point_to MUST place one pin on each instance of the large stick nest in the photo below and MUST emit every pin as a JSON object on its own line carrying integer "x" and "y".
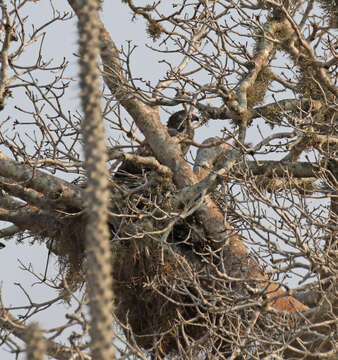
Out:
{"x": 150, "y": 300}
{"x": 169, "y": 298}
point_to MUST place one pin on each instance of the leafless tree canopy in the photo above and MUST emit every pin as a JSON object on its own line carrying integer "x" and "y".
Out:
{"x": 224, "y": 248}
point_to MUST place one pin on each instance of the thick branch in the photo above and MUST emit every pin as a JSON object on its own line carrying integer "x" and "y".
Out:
{"x": 34, "y": 220}
{"x": 287, "y": 105}
{"x": 148, "y": 161}
{"x": 19, "y": 329}
{"x": 56, "y": 190}
{"x": 278, "y": 168}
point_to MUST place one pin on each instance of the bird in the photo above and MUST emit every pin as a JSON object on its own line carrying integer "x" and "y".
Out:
{"x": 178, "y": 125}
{"x": 178, "y": 120}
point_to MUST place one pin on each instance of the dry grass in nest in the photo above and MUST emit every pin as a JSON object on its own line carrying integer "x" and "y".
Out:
{"x": 68, "y": 244}
{"x": 167, "y": 301}
{"x": 157, "y": 289}
{"x": 147, "y": 300}
{"x": 160, "y": 305}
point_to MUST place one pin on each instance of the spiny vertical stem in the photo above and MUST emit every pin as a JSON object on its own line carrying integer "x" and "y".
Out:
{"x": 99, "y": 281}
{"x": 332, "y": 242}
{"x": 36, "y": 344}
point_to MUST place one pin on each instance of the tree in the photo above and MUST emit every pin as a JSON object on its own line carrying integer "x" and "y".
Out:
{"x": 228, "y": 251}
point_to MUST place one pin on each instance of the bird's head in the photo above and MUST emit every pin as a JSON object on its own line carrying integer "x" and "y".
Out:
{"x": 178, "y": 120}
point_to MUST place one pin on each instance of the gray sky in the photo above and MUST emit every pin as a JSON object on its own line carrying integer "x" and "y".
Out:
{"x": 61, "y": 41}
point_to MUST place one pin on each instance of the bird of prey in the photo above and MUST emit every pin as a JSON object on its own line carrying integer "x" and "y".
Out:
{"x": 178, "y": 125}
{"x": 179, "y": 121}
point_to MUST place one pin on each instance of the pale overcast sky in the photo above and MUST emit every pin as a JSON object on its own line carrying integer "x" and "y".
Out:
{"x": 61, "y": 41}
